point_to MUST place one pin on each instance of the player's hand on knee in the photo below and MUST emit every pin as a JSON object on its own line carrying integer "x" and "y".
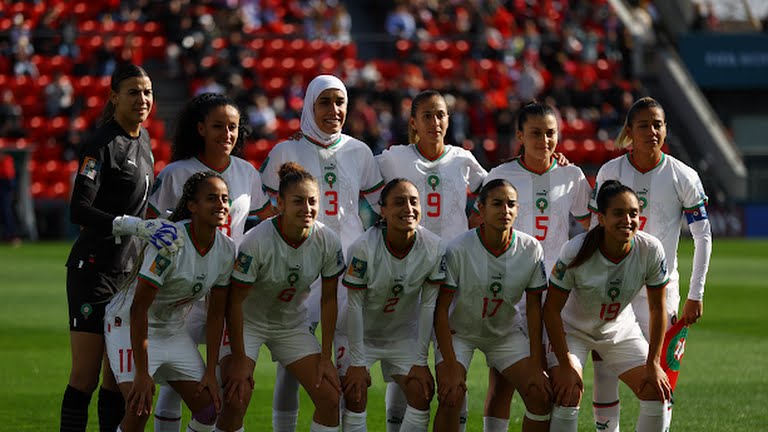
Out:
{"x": 451, "y": 383}
{"x": 141, "y": 394}
{"x": 239, "y": 380}
{"x": 567, "y": 385}
{"x": 211, "y": 385}
{"x": 424, "y": 379}
{"x": 326, "y": 370}
{"x": 356, "y": 381}
{"x": 655, "y": 383}
{"x": 539, "y": 382}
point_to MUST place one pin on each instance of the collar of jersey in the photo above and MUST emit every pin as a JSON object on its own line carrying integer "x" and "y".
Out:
{"x": 525, "y": 167}
{"x": 494, "y": 252}
{"x": 618, "y": 260}
{"x": 202, "y": 250}
{"x": 278, "y": 227}
{"x": 398, "y": 255}
{"x": 445, "y": 152}
{"x": 319, "y": 144}
{"x": 631, "y": 162}
{"x": 218, "y": 170}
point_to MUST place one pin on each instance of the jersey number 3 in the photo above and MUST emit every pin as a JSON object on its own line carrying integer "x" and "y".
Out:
{"x": 332, "y": 209}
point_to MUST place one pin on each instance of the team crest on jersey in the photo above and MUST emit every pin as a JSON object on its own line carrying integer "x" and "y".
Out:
{"x": 559, "y": 269}
{"x": 293, "y": 277}
{"x": 159, "y": 265}
{"x": 330, "y": 178}
{"x": 541, "y": 202}
{"x": 397, "y": 289}
{"x": 243, "y": 262}
{"x": 614, "y": 289}
{"x": 357, "y": 268}
{"x": 642, "y": 197}
{"x": 495, "y": 288}
{"x": 433, "y": 181}
{"x": 90, "y": 168}
{"x": 196, "y": 288}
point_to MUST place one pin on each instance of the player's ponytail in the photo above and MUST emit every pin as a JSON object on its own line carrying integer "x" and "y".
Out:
{"x": 189, "y": 191}
{"x": 594, "y": 238}
{"x": 413, "y": 136}
{"x": 624, "y": 140}
{"x": 291, "y": 173}
{"x": 121, "y": 73}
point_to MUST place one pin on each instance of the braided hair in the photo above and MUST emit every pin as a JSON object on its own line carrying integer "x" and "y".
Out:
{"x": 189, "y": 191}
{"x": 187, "y": 141}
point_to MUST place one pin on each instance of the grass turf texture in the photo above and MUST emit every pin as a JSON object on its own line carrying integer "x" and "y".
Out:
{"x": 721, "y": 385}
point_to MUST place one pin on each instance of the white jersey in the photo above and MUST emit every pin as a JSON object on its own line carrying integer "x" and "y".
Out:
{"x": 181, "y": 279}
{"x": 666, "y": 191}
{"x": 601, "y": 288}
{"x": 488, "y": 284}
{"x": 246, "y": 195}
{"x": 442, "y": 184}
{"x": 344, "y": 171}
{"x": 393, "y": 284}
{"x": 281, "y": 273}
{"x": 545, "y": 200}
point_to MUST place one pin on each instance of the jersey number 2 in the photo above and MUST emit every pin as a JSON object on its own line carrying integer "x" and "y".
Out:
{"x": 390, "y": 306}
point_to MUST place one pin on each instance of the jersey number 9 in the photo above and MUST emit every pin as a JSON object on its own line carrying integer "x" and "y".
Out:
{"x": 433, "y": 204}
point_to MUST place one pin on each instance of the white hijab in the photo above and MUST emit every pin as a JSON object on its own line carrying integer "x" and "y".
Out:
{"x": 308, "y": 126}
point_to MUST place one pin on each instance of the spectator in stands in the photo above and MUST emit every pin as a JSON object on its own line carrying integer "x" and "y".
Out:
{"x": 400, "y": 23}
{"x": 60, "y": 97}
{"x": 7, "y": 192}
{"x": 10, "y": 116}
{"x": 22, "y": 58}
{"x": 262, "y": 117}
{"x": 341, "y": 25}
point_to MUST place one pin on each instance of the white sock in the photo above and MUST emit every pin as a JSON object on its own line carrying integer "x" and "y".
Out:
{"x": 168, "y": 410}
{"x": 464, "y": 413}
{"x": 395, "y": 403}
{"x": 315, "y": 427}
{"x": 564, "y": 419}
{"x": 652, "y": 416}
{"x": 668, "y": 416}
{"x": 196, "y": 426}
{"x": 605, "y": 397}
{"x": 415, "y": 420}
{"x": 493, "y": 424}
{"x": 221, "y": 430}
{"x": 284, "y": 421}
{"x": 353, "y": 421}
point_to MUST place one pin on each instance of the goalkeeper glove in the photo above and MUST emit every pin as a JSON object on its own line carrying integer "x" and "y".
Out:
{"x": 160, "y": 233}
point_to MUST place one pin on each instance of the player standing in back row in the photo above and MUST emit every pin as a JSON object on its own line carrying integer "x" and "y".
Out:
{"x": 668, "y": 191}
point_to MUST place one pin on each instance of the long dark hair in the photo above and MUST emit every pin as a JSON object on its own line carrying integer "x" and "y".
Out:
{"x": 121, "y": 73}
{"x": 187, "y": 141}
{"x": 594, "y": 237}
{"x": 644, "y": 103}
{"x": 534, "y": 109}
{"x": 482, "y": 197}
{"x": 191, "y": 186}
{"x": 291, "y": 173}
{"x": 381, "y": 222}
{"x": 413, "y": 137}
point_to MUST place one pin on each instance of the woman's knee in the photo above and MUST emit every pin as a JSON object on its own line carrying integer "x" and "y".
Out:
{"x": 538, "y": 401}
{"x": 325, "y": 398}
{"x": 417, "y": 396}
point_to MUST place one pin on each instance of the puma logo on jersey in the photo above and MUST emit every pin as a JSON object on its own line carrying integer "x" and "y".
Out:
{"x": 131, "y": 162}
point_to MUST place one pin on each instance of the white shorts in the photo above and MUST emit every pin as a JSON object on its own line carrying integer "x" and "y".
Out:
{"x": 500, "y": 353}
{"x": 396, "y": 358}
{"x": 196, "y": 320}
{"x": 643, "y": 314}
{"x": 286, "y": 345}
{"x": 619, "y": 355}
{"x": 171, "y": 357}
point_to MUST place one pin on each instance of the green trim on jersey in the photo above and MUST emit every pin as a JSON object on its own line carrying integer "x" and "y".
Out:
{"x": 525, "y": 167}
{"x": 563, "y": 289}
{"x": 317, "y": 143}
{"x": 220, "y": 171}
{"x": 661, "y": 160}
{"x": 151, "y": 282}
{"x": 264, "y": 165}
{"x": 204, "y": 251}
{"x": 536, "y": 289}
{"x": 276, "y": 224}
{"x": 696, "y": 207}
{"x": 580, "y": 218}
{"x": 614, "y": 260}
{"x": 505, "y": 248}
{"x": 445, "y": 152}
{"x": 662, "y": 285}
{"x": 377, "y": 186}
{"x": 354, "y": 286}
{"x": 154, "y": 210}
{"x": 339, "y": 273}
{"x": 449, "y": 288}
{"x": 254, "y": 212}
{"x": 244, "y": 284}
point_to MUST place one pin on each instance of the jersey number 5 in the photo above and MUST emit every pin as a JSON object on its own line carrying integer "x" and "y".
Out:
{"x": 542, "y": 227}
{"x": 433, "y": 204}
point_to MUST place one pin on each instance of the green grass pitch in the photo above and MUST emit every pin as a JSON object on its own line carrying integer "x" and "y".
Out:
{"x": 722, "y": 384}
